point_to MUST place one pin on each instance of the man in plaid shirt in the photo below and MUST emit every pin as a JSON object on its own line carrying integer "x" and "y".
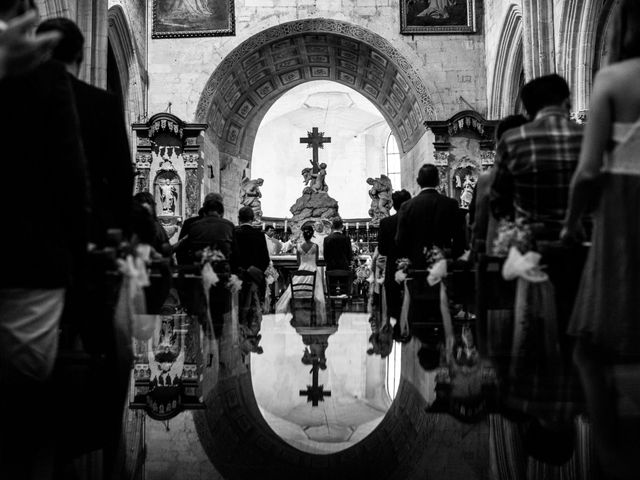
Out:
{"x": 535, "y": 162}
{"x": 534, "y": 166}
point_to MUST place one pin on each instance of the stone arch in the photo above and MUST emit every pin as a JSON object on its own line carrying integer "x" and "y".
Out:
{"x": 132, "y": 82}
{"x": 583, "y": 39}
{"x": 257, "y": 72}
{"x": 507, "y": 74}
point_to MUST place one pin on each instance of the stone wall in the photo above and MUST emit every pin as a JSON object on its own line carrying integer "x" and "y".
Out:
{"x": 451, "y": 66}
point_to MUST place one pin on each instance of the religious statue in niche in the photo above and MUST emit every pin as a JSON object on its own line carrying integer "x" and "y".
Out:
{"x": 465, "y": 178}
{"x": 380, "y": 193}
{"x": 250, "y": 195}
{"x": 167, "y": 193}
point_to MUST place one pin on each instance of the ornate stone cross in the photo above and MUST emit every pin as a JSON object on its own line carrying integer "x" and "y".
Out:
{"x": 315, "y": 393}
{"x": 315, "y": 140}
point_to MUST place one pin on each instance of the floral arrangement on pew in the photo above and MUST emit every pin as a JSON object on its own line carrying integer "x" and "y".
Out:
{"x": 215, "y": 268}
{"x": 515, "y": 241}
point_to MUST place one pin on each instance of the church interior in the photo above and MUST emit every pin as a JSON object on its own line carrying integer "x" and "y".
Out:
{"x": 301, "y": 112}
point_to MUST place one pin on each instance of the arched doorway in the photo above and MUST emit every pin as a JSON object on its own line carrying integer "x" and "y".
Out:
{"x": 261, "y": 69}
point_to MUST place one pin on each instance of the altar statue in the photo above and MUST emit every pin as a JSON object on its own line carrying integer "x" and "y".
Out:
{"x": 250, "y": 195}
{"x": 380, "y": 193}
{"x": 314, "y": 178}
{"x": 168, "y": 197}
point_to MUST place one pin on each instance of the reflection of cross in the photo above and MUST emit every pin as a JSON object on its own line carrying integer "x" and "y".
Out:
{"x": 315, "y": 393}
{"x": 315, "y": 140}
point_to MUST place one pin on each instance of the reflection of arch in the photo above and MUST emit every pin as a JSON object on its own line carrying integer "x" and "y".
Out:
{"x": 168, "y": 194}
{"x": 132, "y": 83}
{"x": 238, "y": 440}
{"x": 507, "y": 74}
{"x": 254, "y": 75}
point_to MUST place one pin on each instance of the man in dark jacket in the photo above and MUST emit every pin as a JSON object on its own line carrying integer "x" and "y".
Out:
{"x": 387, "y": 247}
{"x": 337, "y": 248}
{"x": 46, "y": 238}
{"x": 429, "y": 220}
{"x": 252, "y": 246}
{"x": 104, "y": 137}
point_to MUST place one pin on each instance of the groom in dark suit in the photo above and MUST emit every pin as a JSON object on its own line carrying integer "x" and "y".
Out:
{"x": 429, "y": 219}
{"x": 387, "y": 247}
{"x": 337, "y": 248}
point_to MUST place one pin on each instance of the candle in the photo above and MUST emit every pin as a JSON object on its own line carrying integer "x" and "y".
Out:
{"x": 285, "y": 225}
{"x": 357, "y": 225}
{"x": 264, "y": 225}
{"x": 274, "y": 224}
{"x": 367, "y": 226}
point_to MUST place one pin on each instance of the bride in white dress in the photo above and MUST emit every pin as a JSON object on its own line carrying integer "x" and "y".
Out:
{"x": 307, "y": 253}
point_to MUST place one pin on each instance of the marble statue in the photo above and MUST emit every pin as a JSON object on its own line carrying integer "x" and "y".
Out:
{"x": 168, "y": 198}
{"x": 314, "y": 178}
{"x": 380, "y": 193}
{"x": 250, "y": 195}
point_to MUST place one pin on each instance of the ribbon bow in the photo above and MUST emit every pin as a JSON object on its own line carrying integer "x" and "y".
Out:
{"x": 525, "y": 266}
{"x": 437, "y": 272}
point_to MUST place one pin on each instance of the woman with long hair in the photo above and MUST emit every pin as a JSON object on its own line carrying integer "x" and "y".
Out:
{"x": 606, "y": 318}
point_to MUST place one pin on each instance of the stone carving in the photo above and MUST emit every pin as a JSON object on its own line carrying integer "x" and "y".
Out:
{"x": 191, "y": 192}
{"x": 142, "y": 180}
{"x": 311, "y": 207}
{"x": 314, "y": 178}
{"x": 380, "y": 193}
{"x": 416, "y": 101}
{"x": 250, "y": 195}
{"x": 167, "y": 192}
{"x": 465, "y": 177}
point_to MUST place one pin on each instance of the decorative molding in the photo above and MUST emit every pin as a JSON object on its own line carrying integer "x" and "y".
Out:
{"x": 505, "y": 86}
{"x": 263, "y": 67}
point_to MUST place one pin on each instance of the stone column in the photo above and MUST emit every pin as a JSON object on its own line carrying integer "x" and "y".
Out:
{"x": 441, "y": 160}
{"x": 539, "y": 42}
{"x": 92, "y": 18}
{"x": 192, "y": 184}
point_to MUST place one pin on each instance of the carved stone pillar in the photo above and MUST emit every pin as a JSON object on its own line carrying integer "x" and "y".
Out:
{"x": 539, "y": 44}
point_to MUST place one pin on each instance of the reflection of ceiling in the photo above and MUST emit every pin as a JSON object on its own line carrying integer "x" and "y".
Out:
{"x": 265, "y": 66}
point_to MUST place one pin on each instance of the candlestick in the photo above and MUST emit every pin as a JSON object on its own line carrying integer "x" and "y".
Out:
{"x": 285, "y": 226}
{"x": 357, "y": 225}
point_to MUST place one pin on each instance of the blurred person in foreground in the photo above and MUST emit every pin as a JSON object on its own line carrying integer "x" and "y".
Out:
{"x": 47, "y": 243}
{"x": 606, "y": 319}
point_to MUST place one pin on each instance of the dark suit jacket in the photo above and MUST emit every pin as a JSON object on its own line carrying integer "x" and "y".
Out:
{"x": 106, "y": 147}
{"x": 387, "y": 239}
{"x": 215, "y": 232}
{"x": 252, "y": 248}
{"x": 45, "y": 182}
{"x": 337, "y": 251}
{"x": 429, "y": 219}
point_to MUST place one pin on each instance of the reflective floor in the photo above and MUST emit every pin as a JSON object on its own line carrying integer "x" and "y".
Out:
{"x": 237, "y": 395}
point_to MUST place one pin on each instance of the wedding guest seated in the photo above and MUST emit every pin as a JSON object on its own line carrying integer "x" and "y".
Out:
{"x": 186, "y": 226}
{"x": 212, "y": 230}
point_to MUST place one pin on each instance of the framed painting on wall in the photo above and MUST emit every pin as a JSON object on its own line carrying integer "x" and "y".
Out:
{"x": 437, "y": 16}
{"x": 192, "y": 18}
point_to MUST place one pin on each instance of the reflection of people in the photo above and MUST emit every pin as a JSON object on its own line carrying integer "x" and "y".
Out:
{"x": 307, "y": 253}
